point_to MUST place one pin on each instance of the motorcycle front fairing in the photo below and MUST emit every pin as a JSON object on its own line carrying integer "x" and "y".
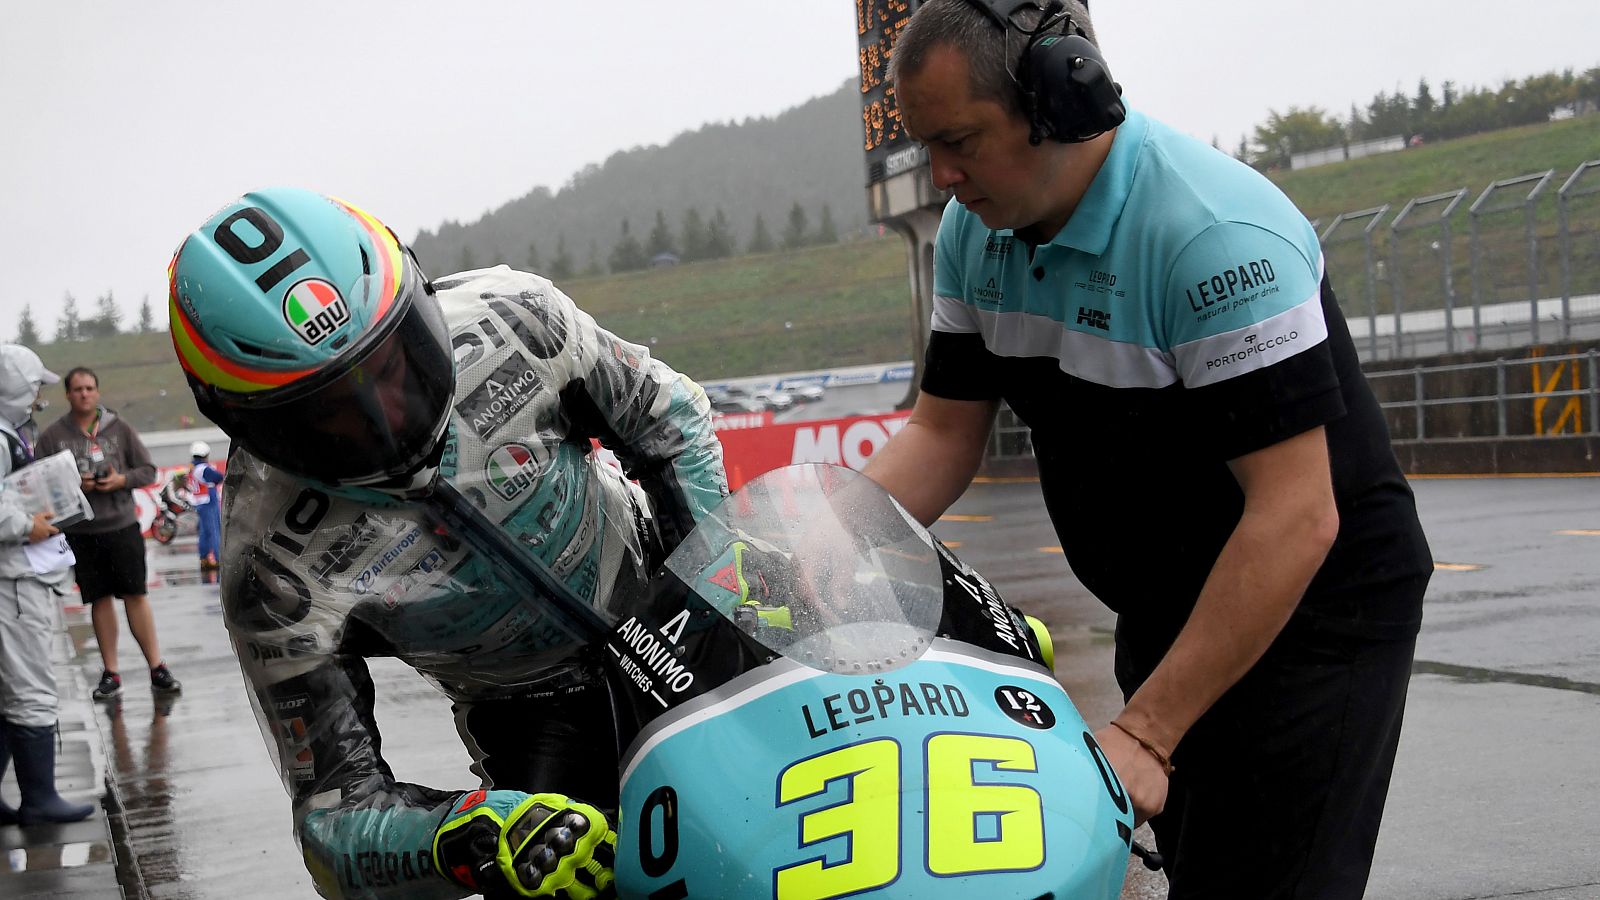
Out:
{"x": 896, "y": 736}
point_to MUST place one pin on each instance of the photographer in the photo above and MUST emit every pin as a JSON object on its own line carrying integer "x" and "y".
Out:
{"x": 109, "y": 547}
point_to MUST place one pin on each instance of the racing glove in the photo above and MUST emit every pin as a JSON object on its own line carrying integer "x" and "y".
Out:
{"x": 507, "y": 844}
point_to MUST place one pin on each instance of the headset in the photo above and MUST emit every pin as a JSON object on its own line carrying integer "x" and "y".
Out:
{"x": 1066, "y": 88}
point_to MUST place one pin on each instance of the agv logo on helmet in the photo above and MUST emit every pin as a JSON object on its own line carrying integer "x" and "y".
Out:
{"x": 314, "y": 309}
{"x": 1063, "y": 82}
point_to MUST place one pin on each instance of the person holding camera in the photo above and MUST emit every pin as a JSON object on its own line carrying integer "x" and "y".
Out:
{"x": 109, "y": 547}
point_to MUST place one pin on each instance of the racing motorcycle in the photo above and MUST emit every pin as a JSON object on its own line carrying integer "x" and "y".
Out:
{"x": 818, "y": 699}
{"x": 168, "y": 518}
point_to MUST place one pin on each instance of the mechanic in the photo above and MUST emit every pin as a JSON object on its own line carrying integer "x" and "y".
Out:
{"x": 1217, "y": 469}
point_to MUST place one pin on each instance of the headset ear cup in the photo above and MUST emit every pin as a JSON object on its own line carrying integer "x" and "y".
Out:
{"x": 1075, "y": 98}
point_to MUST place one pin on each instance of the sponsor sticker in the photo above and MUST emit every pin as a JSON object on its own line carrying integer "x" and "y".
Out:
{"x": 314, "y": 309}
{"x": 510, "y": 470}
{"x": 506, "y": 391}
{"x": 1024, "y": 707}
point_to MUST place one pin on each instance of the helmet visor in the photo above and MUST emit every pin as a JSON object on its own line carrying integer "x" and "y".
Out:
{"x": 379, "y": 416}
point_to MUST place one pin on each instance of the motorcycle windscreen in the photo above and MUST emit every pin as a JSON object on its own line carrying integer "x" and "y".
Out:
{"x": 872, "y": 757}
{"x": 818, "y": 563}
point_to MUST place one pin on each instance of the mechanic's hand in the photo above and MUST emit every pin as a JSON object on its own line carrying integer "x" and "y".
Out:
{"x": 111, "y": 481}
{"x": 507, "y": 844}
{"x": 41, "y": 527}
{"x": 1141, "y": 775}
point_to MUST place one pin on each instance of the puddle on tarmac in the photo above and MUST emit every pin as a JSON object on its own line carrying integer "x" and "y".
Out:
{"x": 1481, "y": 675}
{"x": 58, "y": 856}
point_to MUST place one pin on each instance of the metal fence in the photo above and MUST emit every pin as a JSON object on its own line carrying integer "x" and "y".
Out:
{"x": 1511, "y": 265}
{"x": 1538, "y": 395}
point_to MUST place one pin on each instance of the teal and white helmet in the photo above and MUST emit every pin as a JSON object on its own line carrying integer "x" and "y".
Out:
{"x": 308, "y": 332}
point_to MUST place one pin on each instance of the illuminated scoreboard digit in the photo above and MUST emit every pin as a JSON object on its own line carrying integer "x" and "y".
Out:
{"x": 889, "y": 152}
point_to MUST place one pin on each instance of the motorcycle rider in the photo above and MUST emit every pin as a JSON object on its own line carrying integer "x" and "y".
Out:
{"x": 348, "y": 382}
{"x": 174, "y": 495}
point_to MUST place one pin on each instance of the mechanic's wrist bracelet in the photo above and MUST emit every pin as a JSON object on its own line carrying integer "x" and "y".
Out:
{"x": 1162, "y": 758}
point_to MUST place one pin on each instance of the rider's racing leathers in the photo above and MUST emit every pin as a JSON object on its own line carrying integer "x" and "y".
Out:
{"x": 315, "y": 579}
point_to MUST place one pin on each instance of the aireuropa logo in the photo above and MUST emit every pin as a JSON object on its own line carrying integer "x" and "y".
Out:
{"x": 314, "y": 309}
{"x": 510, "y": 470}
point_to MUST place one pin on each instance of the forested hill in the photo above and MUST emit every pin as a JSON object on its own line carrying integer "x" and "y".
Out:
{"x": 810, "y": 154}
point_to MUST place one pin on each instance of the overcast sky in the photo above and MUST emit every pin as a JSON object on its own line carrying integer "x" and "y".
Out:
{"x": 126, "y": 124}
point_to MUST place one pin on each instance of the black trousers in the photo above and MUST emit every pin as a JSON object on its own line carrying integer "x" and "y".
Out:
{"x": 562, "y": 740}
{"x": 1278, "y": 790}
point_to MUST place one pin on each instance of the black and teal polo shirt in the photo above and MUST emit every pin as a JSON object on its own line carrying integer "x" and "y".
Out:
{"x": 1180, "y": 319}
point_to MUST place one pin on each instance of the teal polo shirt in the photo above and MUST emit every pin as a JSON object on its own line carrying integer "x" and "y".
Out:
{"x": 1180, "y": 319}
{"x": 1180, "y": 265}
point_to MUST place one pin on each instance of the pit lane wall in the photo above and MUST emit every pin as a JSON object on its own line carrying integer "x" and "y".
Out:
{"x": 1527, "y": 410}
{"x": 752, "y": 443}
{"x": 852, "y": 376}
{"x": 750, "y": 448}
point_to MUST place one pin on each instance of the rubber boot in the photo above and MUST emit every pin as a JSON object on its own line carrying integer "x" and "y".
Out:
{"x": 34, "y": 749}
{"x": 8, "y": 816}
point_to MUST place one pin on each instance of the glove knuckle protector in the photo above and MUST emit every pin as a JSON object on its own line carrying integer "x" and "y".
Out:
{"x": 507, "y": 843}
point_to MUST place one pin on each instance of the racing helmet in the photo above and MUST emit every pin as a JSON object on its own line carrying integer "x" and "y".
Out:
{"x": 199, "y": 449}
{"x": 308, "y": 332}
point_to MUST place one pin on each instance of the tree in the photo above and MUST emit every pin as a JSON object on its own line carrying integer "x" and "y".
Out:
{"x": 1243, "y": 153}
{"x": 627, "y": 255}
{"x": 1388, "y": 116}
{"x": 1356, "y": 126}
{"x": 1537, "y": 96}
{"x": 695, "y": 236}
{"x": 660, "y": 238}
{"x": 146, "y": 320}
{"x": 533, "y": 258}
{"x": 827, "y": 233}
{"x": 1423, "y": 105}
{"x": 594, "y": 268}
{"x": 466, "y": 262}
{"x": 719, "y": 237}
{"x": 760, "y": 238}
{"x": 27, "y": 332}
{"x": 106, "y": 322}
{"x": 561, "y": 266}
{"x": 794, "y": 234}
{"x": 67, "y": 326}
{"x": 1588, "y": 86}
{"x": 1295, "y": 131}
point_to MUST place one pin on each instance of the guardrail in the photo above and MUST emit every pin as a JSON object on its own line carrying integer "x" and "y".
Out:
{"x": 1569, "y": 393}
{"x": 1540, "y": 395}
{"x": 1516, "y": 265}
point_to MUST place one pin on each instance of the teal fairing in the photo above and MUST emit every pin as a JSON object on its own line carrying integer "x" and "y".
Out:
{"x": 894, "y": 735}
{"x": 317, "y": 579}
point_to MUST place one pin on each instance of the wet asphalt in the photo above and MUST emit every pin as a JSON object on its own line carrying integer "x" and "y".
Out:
{"x": 1493, "y": 794}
